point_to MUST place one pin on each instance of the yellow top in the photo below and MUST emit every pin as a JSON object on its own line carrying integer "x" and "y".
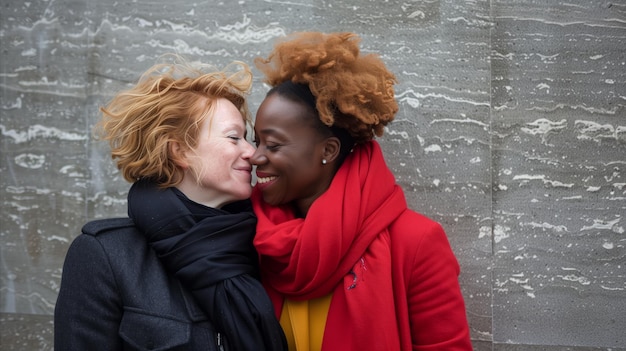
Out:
{"x": 304, "y": 323}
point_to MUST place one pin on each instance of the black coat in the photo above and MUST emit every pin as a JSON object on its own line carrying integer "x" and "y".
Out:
{"x": 116, "y": 295}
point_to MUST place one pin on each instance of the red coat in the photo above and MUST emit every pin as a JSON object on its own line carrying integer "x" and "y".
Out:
{"x": 429, "y": 304}
{"x": 391, "y": 272}
{"x": 430, "y": 310}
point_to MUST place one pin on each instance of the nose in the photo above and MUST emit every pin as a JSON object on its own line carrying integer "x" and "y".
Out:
{"x": 248, "y": 150}
{"x": 258, "y": 157}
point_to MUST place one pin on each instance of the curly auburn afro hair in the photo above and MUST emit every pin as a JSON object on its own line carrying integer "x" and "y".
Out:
{"x": 354, "y": 92}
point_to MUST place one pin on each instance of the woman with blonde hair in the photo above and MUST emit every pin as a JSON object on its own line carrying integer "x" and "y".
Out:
{"x": 179, "y": 136}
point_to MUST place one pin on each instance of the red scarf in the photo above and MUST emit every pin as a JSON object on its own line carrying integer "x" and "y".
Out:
{"x": 341, "y": 247}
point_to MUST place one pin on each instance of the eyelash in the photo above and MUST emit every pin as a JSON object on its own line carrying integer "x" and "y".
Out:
{"x": 273, "y": 147}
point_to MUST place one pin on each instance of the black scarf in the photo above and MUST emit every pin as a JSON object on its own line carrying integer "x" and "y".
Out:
{"x": 211, "y": 252}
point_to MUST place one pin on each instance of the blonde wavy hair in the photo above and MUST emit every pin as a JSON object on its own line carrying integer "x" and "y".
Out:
{"x": 168, "y": 104}
{"x": 353, "y": 91}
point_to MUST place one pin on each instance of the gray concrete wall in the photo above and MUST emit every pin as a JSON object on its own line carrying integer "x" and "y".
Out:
{"x": 511, "y": 133}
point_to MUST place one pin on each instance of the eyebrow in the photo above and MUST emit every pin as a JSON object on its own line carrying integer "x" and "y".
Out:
{"x": 234, "y": 126}
{"x": 268, "y": 131}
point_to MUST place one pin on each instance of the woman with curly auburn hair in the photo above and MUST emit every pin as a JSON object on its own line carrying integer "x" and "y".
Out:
{"x": 346, "y": 263}
{"x": 179, "y": 136}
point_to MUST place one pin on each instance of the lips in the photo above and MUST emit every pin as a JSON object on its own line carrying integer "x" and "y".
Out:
{"x": 265, "y": 178}
{"x": 244, "y": 170}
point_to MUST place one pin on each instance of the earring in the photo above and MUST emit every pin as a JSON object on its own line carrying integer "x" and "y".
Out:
{"x": 324, "y": 161}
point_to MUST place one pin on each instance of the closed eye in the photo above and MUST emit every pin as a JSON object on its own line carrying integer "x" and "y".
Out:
{"x": 268, "y": 146}
{"x": 272, "y": 147}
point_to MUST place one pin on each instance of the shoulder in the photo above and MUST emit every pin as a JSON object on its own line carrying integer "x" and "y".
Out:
{"x": 413, "y": 227}
{"x": 111, "y": 241}
{"x": 419, "y": 241}
{"x": 107, "y": 225}
{"x": 416, "y": 239}
{"x": 114, "y": 251}
{"x": 112, "y": 232}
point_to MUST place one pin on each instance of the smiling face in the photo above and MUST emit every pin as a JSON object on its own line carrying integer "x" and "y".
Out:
{"x": 218, "y": 169}
{"x": 289, "y": 153}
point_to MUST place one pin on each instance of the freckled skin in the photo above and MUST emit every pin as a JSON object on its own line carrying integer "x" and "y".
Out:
{"x": 219, "y": 170}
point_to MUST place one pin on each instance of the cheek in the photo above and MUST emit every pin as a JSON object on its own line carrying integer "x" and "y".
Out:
{"x": 302, "y": 173}
{"x": 221, "y": 157}
{"x": 211, "y": 165}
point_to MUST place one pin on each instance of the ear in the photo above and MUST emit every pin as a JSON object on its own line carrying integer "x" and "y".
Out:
{"x": 332, "y": 146}
{"x": 178, "y": 155}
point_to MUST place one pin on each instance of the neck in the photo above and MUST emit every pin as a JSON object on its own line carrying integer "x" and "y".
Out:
{"x": 196, "y": 193}
{"x": 302, "y": 206}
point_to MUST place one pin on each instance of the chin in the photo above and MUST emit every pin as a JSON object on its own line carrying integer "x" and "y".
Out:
{"x": 244, "y": 193}
{"x": 272, "y": 201}
{"x": 244, "y": 196}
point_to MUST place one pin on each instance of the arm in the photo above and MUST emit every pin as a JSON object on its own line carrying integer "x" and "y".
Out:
{"x": 88, "y": 309}
{"x": 436, "y": 306}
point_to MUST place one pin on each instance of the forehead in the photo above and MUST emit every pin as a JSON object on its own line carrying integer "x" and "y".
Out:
{"x": 225, "y": 113}
{"x": 279, "y": 112}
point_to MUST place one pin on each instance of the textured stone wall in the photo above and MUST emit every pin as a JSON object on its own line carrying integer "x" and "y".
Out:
{"x": 511, "y": 133}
